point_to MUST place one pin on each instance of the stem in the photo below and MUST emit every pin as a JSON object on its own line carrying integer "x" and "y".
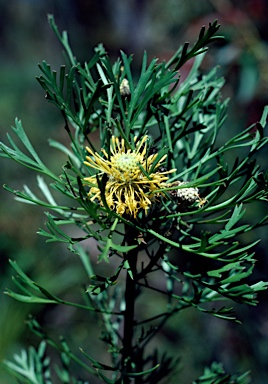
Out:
{"x": 131, "y": 360}
{"x": 132, "y": 353}
{"x": 130, "y": 295}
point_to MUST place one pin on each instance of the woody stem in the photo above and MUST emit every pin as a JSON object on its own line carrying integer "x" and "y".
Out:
{"x": 128, "y": 356}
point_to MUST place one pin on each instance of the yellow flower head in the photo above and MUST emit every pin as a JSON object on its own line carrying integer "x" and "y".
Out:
{"x": 132, "y": 178}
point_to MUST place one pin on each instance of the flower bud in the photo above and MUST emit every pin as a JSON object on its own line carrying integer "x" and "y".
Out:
{"x": 124, "y": 88}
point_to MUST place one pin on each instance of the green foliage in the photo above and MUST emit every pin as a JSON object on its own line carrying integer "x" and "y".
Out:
{"x": 31, "y": 367}
{"x": 198, "y": 247}
{"x": 216, "y": 375}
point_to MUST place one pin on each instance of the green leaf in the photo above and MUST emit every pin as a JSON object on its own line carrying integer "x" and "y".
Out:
{"x": 146, "y": 74}
{"x": 29, "y": 299}
{"x": 216, "y": 374}
{"x": 16, "y": 154}
{"x": 109, "y": 245}
{"x": 226, "y": 268}
{"x": 62, "y": 38}
{"x": 84, "y": 257}
{"x": 31, "y": 366}
{"x": 22, "y": 275}
{"x": 127, "y": 69}
{"x": 18, "y": 129}
{"x": 263, "y": 120}
{"x": 135, "y": 374}
{"x": 96, "y": 364}
{"x": 106, "y": 379}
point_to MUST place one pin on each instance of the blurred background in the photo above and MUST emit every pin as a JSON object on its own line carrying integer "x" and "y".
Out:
{"x": 158, "y": 27}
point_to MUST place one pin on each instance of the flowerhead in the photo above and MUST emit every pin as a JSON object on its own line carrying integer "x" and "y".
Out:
{"x": 185, "y": 196}
{"x": 133, "y": 177}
